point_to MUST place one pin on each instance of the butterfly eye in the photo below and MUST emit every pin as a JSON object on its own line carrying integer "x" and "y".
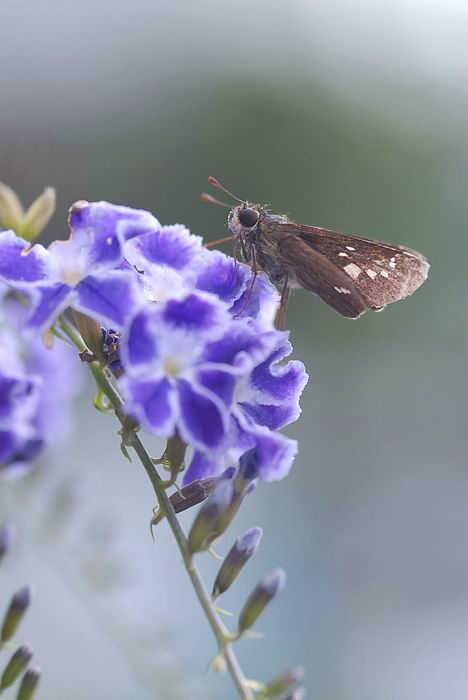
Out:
{"x": 248, "y": 217}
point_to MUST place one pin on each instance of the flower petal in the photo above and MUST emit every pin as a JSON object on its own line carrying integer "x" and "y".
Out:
{"x": 8, "y": 445}
{"x": 202, "y": 417}
{"x": 111, "y": 296}
{"x": 46, "y": 303}
{"x": 218, "y": 381}
{"x": 221, "y": 275}
{"x": 202, "y": 466}
{"x": 152, "y": 403}
{"x": 259, "y": 301}
{"x": 271, "y": 458}
{"x": 272, "y": 416}
{"x": 139, "y": 347}
{"x": 19, "y": 266}
{"x": 196, "y": 313}
{"x": 171, "y": 246}
{"x": 276, "y": 382}
{"x": 18, "y": 399}
{"x": 104, "y": 227}
{"x": 242, "y": 342}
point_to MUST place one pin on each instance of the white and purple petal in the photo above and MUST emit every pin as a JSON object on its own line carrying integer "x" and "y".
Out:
{"x": 21, "y": 264}
{"x": 103, "y": 228}
{"x": 139, "y": 347}
{"x": 277, "y": 382}
{"x": 272, "y": 416}
{"x": 201, "y": 466}
{"x": 260, "y": 301}
{"x": 271, "y": 457}
{"x": 9, "y": 444}
{"x": 46, "y": 302}
{"x": 218, "y": 380}
{"x": 223, "y": 276}
{"x": 203, "y": 417}
{"x": 153, "y": 403}
{"x": 18, "y": 399}
{"x": 197, "y": 313}
{"x": 169, "y": 246}
{"x": 112, "y": 296}
{"x": 242, "y": 345}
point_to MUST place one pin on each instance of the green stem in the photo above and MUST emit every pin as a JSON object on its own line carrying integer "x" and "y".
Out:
{"x": 219, "y": 630}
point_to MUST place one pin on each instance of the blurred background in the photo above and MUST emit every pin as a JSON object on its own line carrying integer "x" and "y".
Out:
{"x": 345, "y": 114}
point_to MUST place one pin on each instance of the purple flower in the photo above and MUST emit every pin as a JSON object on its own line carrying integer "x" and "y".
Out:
{"x": 267, "y": 398}
{"x": 172, "y": 379}
{"x": 37, "y": 386}
{"x": 243, "y": 549}
{"x": 190, "y": 366}
{"x": 79, "y": 272}
{"x": 234, "y": 283}
{"x": 198, "y": 353}
{"x": 171, "y": 261}
{"x": 165, "y": 260}
{"x": 19, "y": 400}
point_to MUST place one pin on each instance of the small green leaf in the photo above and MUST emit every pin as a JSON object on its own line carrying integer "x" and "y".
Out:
{"x": 124, "y": 451}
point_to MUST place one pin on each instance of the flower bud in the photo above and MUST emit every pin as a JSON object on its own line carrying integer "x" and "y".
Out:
{"x": 29, "y": 683}
{"x": 38, "y": 215}
{"x": 281, "y": 684}
{"x": 243, "y": 549}
{"x": 298, "y": 694}
{"x": 214, "y": 516}
{"x": 191, "y": 495}
{"x": 264, "y": 592}
{"x": 7, "y": 538}
{"x": 90, "y": 331}
{"x": 15, "y": 613}
{"x": 16, "y": 666}
{"x": 11, "y": 209}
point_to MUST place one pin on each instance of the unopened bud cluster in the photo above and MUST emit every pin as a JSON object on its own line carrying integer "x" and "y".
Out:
{"x": 16, "y": 668}
{"x": 212, "y": 520}
{"x": 28, "y": 224}
{"x": 243, "y": 549}
{"x": 16, "y": 610}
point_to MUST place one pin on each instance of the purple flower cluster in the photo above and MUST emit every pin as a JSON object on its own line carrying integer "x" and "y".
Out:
{"x": 198, "y": 353}
{"x": 36, "y": 389}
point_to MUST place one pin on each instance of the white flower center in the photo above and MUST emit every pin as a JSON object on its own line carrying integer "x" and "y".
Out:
{"x": 172, "y": 368}
{"x": 70, "y": 260}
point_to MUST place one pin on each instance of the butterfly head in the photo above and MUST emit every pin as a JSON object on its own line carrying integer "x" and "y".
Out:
{"x": 244, "y": 218}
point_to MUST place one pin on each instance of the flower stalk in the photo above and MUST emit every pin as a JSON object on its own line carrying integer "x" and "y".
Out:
{"x": 132, "y": 440}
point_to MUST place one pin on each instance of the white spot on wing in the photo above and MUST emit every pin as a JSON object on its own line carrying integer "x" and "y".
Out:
{"x": 371, "y": 274}
{"x": 353, "y": 270}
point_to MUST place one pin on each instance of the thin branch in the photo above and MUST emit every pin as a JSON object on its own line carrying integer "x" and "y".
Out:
{"x": 131, "y": 439}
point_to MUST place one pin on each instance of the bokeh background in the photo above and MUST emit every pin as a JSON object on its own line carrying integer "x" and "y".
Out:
{"x": 345, "y": 114}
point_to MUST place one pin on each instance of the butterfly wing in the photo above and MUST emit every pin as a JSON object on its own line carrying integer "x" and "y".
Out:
{"x": 382, "y": 273}
{"x": 315, "y": 273}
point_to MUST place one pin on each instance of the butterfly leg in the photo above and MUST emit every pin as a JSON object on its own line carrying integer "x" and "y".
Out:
{"x": 281, "y": 317}
{"x": 211, "y": 244}
{"x": 234, "y": 255}
{"x": 251, "y": 286}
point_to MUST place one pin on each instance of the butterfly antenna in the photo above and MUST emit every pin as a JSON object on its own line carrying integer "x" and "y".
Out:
{"x": 212, "y": 200}
{"x": 213, "y": 181}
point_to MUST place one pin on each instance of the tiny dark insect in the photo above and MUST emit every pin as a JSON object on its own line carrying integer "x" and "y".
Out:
{"x": 351, "y": 274}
